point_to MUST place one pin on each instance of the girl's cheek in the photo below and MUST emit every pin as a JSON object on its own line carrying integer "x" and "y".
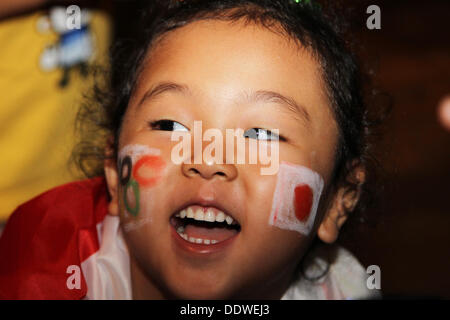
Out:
{"x": 296, "y": 198}
{"x": 140, "y": 169}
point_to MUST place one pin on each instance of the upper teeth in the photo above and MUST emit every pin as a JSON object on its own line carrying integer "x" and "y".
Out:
{"x": 210, "y": 215}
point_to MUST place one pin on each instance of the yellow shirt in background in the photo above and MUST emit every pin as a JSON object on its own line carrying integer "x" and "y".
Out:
{"x": 36, "y": 114}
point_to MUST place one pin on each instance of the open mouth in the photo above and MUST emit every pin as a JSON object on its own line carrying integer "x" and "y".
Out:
{"x": 204, "y": 225}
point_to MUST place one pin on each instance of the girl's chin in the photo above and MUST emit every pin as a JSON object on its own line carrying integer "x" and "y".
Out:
{"x": 200, "y": 290}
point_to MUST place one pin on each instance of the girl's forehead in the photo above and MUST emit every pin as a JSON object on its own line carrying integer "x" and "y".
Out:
{"x": 225, "y": 37}
{"x": 222, "y": 54}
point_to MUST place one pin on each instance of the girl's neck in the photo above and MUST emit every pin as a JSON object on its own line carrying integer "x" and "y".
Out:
{"x": 142, "y": 287}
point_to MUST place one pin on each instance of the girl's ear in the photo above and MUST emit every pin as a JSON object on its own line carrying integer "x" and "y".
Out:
{"x": 112, "y": 180}
{"x": 343, "y": 203}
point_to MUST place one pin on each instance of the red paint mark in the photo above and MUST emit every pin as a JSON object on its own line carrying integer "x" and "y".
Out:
{"x": 147, "y": 170}
{"x": 303, "y": 202}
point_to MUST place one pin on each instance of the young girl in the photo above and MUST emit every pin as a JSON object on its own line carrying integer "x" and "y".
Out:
{"x": 153, "y": 227}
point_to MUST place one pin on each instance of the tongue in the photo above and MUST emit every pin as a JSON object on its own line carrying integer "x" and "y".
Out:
{"x": 218, "y": 234}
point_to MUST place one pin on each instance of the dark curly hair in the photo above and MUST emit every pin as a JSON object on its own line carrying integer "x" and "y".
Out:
{"x": 311, "y": 26}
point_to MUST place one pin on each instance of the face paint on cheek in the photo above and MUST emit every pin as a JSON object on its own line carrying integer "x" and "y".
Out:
{"x": 125, "y": 170}
{"x": 296, "y": 198}
{"x": 135, "y": 151}
{"x": 131, "y": 197}
{"x": 303, "y": 202}
{"x": 140, "y": 167}
{"x": 147, "y": 170}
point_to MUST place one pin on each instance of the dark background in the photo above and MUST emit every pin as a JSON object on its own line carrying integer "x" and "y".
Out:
{"x": 411, "y": 58}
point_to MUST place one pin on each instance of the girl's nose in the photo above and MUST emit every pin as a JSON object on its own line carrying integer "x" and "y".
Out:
{"x": 209, "y": 171}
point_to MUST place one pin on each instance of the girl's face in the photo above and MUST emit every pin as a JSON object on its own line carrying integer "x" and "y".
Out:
{"x": 209, "y": 70}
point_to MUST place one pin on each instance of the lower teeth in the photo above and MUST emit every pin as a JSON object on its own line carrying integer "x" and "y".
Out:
{"x": 180, "y": 231}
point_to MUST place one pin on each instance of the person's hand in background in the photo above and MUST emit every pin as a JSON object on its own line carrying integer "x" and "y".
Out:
{"x": 444, "y": 112}
{"x": 8, "y": 8}
{"x": 14, "y": 7}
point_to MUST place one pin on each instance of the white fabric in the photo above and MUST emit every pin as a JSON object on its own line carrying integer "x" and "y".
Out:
{"x": 345, "y": 278}
{"x": 107, "y": 272}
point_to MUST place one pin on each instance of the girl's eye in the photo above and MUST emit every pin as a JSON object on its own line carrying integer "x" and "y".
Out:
{"x": 167, "y": 125}
{"x": 262, "y": 134}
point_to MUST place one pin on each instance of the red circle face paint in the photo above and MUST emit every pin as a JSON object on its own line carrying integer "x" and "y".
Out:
{"x": 303, "y": 202}
{"x": 147, "y": 170}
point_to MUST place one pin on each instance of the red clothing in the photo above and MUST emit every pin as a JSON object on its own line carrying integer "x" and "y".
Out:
{"x": 46, "y": 235}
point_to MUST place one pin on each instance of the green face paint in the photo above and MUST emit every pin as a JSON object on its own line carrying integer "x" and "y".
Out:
{"x": 131, "y": 178}
{"x": 135, "y": 187}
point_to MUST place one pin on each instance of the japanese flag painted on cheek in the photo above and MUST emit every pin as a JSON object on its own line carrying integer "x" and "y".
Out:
{"x": 296, "y": 198}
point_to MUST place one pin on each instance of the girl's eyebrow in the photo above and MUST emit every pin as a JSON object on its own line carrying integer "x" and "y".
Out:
{"x": 161, "y": 88}
{"x": 272, "y": 96}
{"x": 252, "y": 97}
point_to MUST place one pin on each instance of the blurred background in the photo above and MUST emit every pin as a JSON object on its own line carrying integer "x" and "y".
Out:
{"x": 410, "y": 57}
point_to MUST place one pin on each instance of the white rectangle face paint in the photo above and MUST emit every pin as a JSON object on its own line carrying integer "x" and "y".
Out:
{"x": 296, "y": 198}
{"x": 137, "y": 150}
